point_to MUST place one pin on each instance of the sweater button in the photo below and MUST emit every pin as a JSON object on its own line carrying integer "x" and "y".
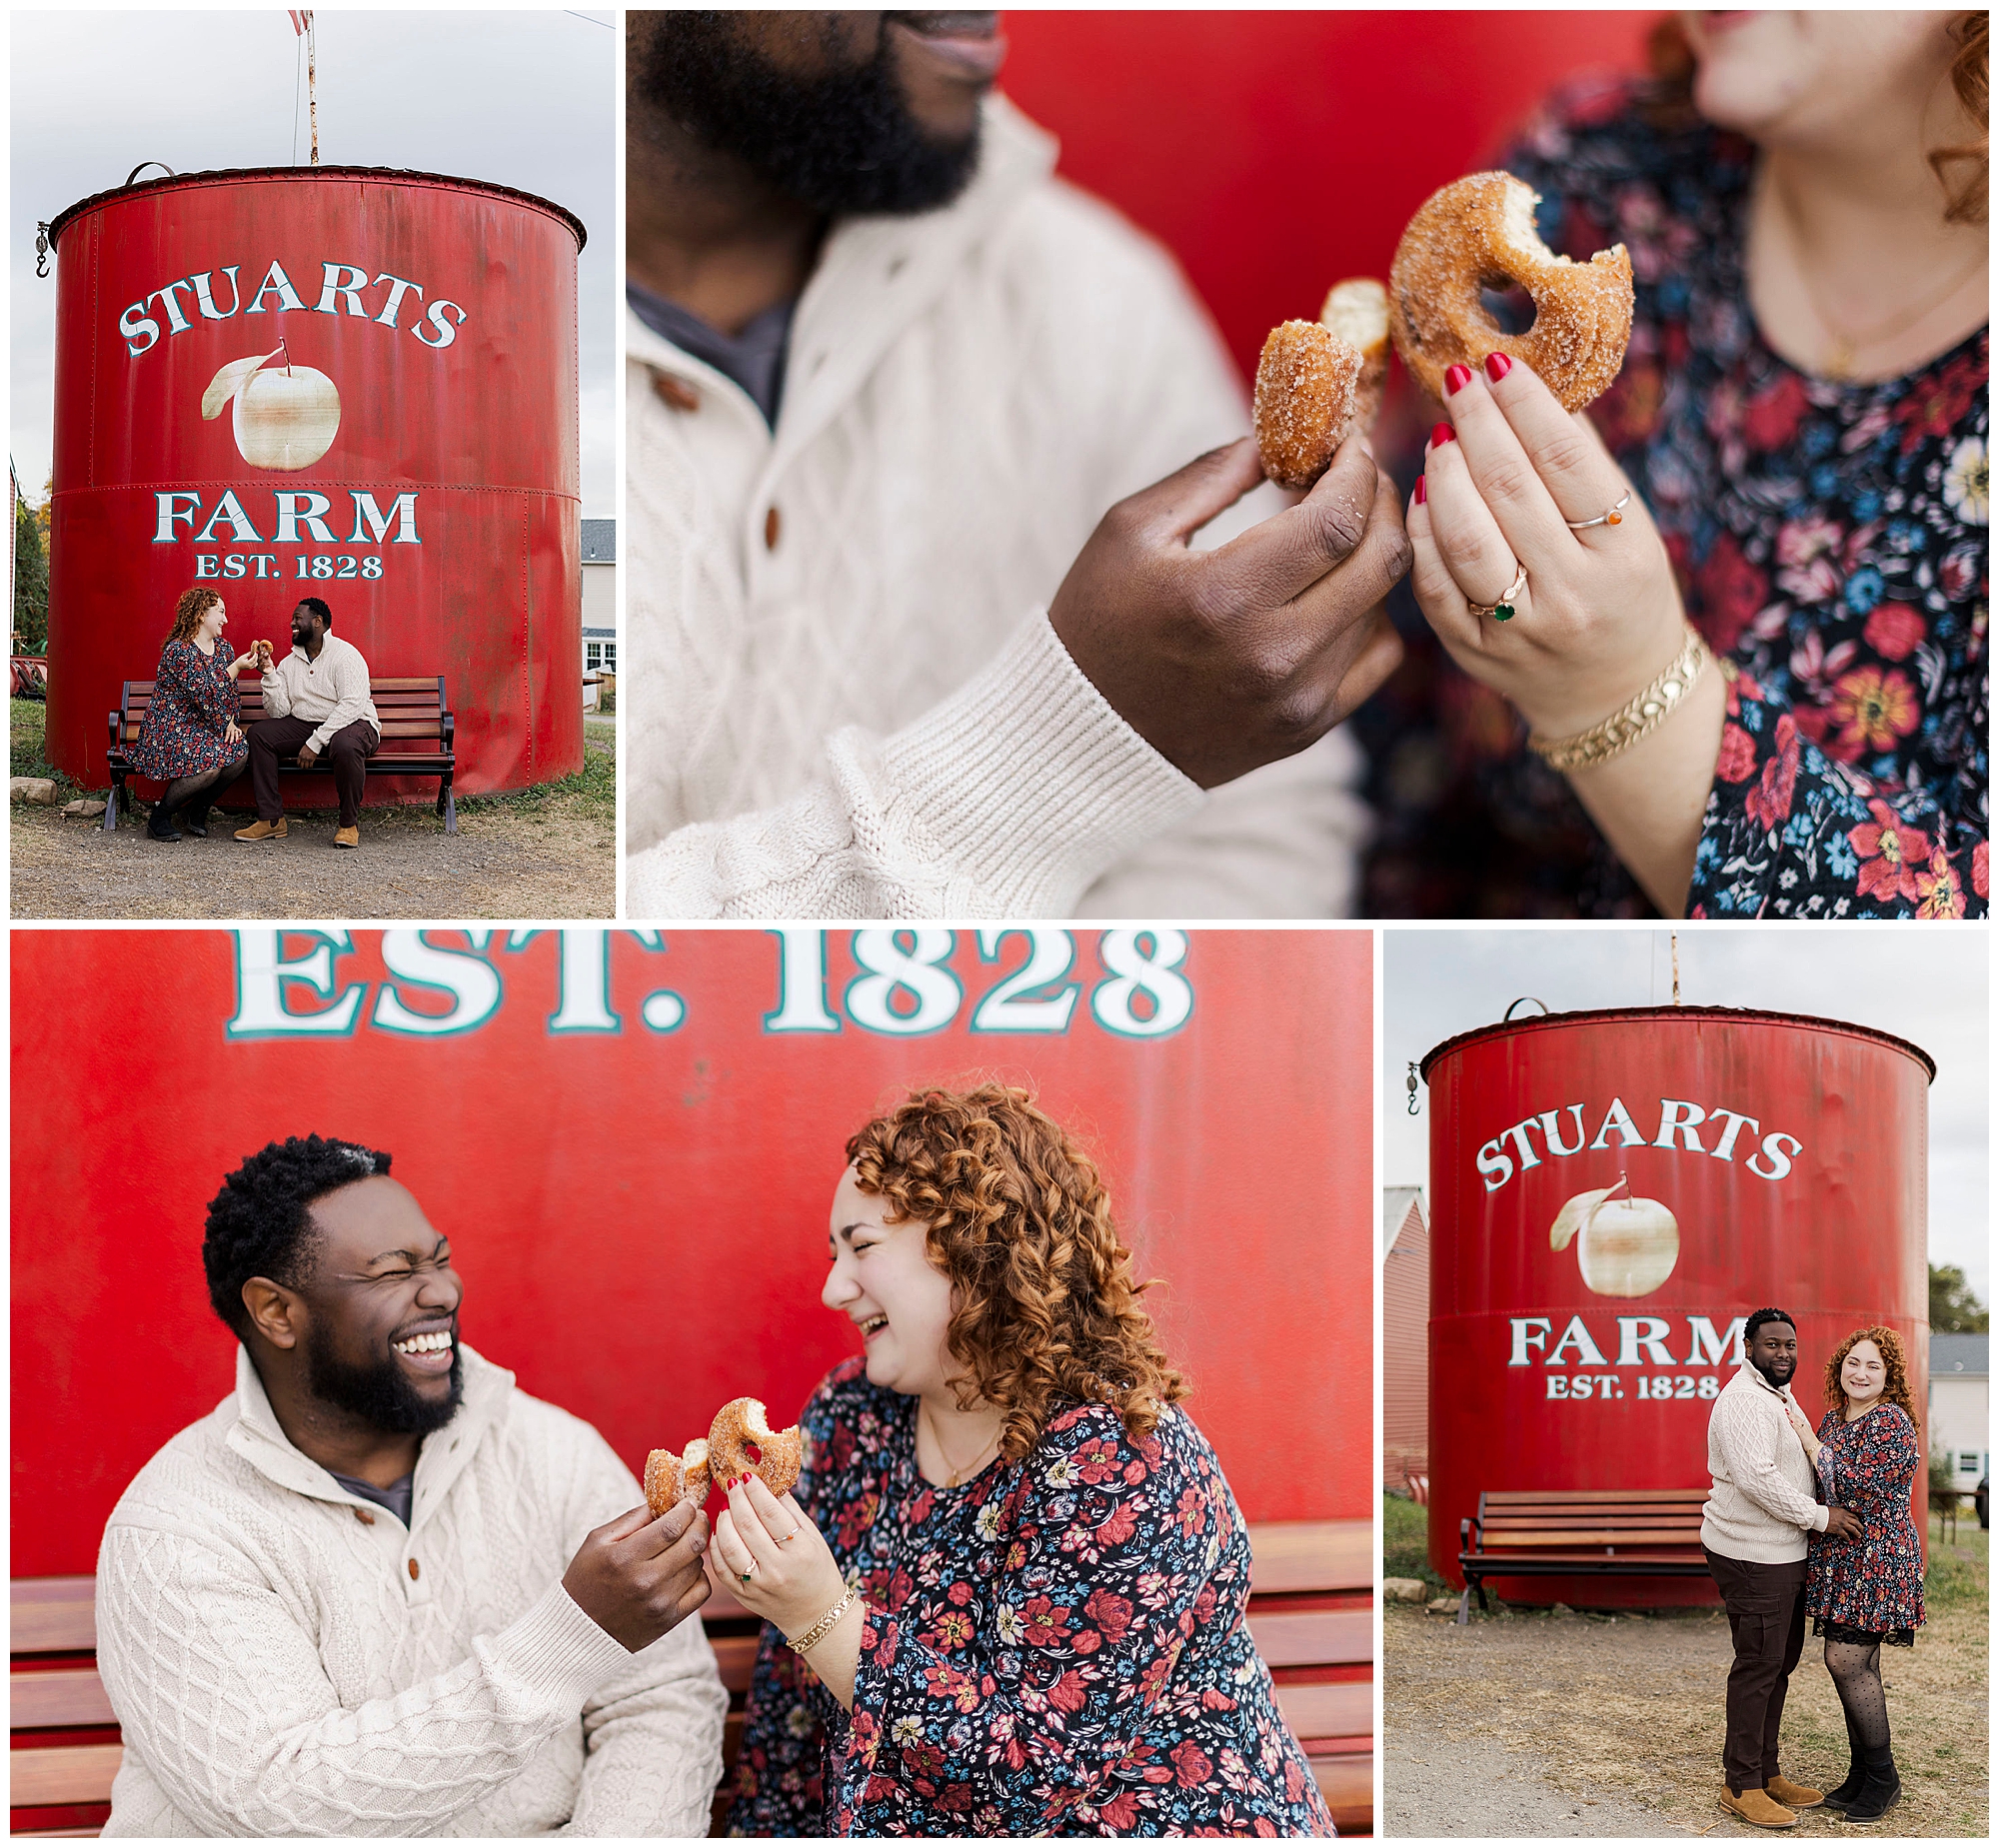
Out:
{"x": 772, "y": 527}
{"x": 675, "y": 393}
{"x": 414, "y": 1572}
{"x": 363, "y": 1517}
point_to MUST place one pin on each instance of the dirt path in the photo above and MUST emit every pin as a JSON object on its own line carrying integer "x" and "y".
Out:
{"x": 1532, "y": 1724}
{"x": 500, "y": 863}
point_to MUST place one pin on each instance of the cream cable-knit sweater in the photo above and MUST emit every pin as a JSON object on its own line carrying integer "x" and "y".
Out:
{"x": 279, "y": 1667}
{"x": 1761, "y": 1506}
{"x": 845, "y": 698}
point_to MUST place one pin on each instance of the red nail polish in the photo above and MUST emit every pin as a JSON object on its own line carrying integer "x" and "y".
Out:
{"x": 1455, "y": 378}
{"x": 1442, "y": 435}
{"x": 1421, "y": 489}
{"x": 1497, "y": 366}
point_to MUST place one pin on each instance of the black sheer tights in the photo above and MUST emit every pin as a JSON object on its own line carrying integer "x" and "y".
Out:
{"x": 1855, "y": 1669}
{"x": 183, "y": 790}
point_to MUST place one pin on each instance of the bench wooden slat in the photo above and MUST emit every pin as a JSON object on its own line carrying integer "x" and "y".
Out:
{"x": 1308, "y": 1638}
{"x": 43, "y": 1774}
{"x": 50, "y": 1615}
{"x": 1346, "y": 1783}
{"x": 59, "y": 1697}
{"x": 1591, "y": 1497}
{"x": 1293, "y": 1556}
{"x": 1327, "y": 1710}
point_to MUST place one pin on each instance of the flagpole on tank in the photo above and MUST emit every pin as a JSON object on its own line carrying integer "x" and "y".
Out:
{"x": 302, "y": 25}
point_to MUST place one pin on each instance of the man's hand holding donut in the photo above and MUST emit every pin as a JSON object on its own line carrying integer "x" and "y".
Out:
{"x": 775, "y": 1562}
{"x": 1598, "y": 617}
{"x": 1226, "y": 660}
{"x": 638, "y": 1576}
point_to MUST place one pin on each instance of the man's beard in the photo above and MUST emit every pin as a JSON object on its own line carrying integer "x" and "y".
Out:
{"x": 380, "y": 1395}
{"x": 842, "y": 143}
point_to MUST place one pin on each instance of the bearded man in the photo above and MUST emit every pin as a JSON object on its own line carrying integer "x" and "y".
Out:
{"x": 378, "y": 1590}
{"x": 890, "y": 655}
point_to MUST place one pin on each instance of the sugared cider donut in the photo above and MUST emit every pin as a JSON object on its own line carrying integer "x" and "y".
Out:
{"x": 1304, "y": 401}
{"x": 1316, "y": 384}
{"x": 670, "y": 1480}
{"x": 1476, "y": 233}
{"x": 741, "y": 1441}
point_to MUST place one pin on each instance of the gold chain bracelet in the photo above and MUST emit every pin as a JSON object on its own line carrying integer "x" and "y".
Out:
{"x": 1637, "y": 717}
{"x": 824, "y": 1627}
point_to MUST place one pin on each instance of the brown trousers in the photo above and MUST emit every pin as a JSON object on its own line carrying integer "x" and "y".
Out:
{"x": 1766, "y": 1617}
{"x": 346, "y": 755}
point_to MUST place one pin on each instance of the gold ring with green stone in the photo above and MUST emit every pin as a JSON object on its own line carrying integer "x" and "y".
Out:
{"x": 1505, "y": 609}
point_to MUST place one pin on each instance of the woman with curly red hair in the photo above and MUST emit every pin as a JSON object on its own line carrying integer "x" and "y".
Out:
{"x": 189, "y": 739}
{"x": 1866, "y": 1592}
{"x": 1008, "y": 1594}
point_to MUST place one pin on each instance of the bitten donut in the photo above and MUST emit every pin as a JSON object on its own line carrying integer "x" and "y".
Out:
{"x": 741, "y": 1441}
{"x": 1305, "y": 385}
{"x": 1476, "y": 233}
{"x": 1358, "y": 312}
{"x": 670, "y": 1480}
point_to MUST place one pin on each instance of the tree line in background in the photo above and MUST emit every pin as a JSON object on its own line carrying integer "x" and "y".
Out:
{"x": 1953, "y": 1307}
{"x": 31, "y": 574}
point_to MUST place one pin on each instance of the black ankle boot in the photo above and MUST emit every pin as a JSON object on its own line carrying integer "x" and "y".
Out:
{"x": 195, "y": 820}
{"x": 160, "y": 823}
{"x": 1848, "y": 1792}
{"x": 1881, "y": 1790}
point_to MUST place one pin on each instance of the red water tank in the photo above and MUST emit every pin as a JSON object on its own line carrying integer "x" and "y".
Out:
{"x": 1612, "y": 1192}
{"x": 339, "y": 382}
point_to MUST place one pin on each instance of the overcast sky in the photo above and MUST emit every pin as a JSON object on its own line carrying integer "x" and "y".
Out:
{"x": 1922, "y": 983}
{"x": 521, "y": 99}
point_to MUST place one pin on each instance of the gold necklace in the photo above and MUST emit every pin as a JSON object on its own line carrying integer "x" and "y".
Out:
{"x": 957, "y": 1470}
{"x": 1848, "y": 346}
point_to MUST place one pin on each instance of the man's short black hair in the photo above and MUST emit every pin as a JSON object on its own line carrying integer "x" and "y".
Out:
{"x": 1762, "y": 1316}
{"x": 317, "y": 605}
{"x": 260, "y": 1225}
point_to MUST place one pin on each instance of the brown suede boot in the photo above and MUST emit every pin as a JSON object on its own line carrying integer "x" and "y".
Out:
{"x": 1757, "y": 1806}
{"x": 265, "y": 830}
{"x": 1793, "y": 1796}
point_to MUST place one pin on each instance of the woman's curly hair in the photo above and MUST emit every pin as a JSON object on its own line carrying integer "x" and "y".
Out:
{"x": 1044, "y": 1302}
{"x": 1896, "y": 1391}
{"x": 193, "y": 606}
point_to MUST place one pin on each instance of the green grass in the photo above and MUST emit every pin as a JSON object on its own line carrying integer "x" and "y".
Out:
{"x": 1406, "y": 1543}
{"x": 27, "y": 744}
{"x": 591, "y": 795}
{"x": 1956, "y": 1579}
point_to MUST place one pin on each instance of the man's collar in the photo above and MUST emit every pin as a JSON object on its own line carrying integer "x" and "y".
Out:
{"x": 875, "y": 273}
{"x": 1756, "y": 1374}
{"x": 259, "y": 1439}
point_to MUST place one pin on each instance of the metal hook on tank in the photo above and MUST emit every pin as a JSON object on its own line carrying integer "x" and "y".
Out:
{"x": 1415, "y": 1109}
{"x": 42, "y": 248}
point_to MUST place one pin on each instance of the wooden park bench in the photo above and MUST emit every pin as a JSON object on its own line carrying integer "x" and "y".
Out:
{"x": 413, "y": 711}
{"x": 1580, "y": 1533}
{"x": 65, "y": 1740}
{"x": 1309, "y": 1613}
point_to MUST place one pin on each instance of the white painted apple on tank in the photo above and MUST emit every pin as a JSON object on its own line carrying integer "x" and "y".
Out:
{"x": 1625, "y": 1246}
{"x": 286, "y": 416}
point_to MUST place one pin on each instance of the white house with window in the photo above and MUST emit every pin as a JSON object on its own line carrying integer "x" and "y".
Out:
{"x": 600, "y": 605}
{"x": 1960, "y": 1410}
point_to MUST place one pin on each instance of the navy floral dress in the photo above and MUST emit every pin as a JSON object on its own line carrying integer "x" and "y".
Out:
{"x": 1868, "y": 1590}
{"x": 1056, "y": 1648}
{"x": 1830, "y": 540}
{"x": 194, "y": 702}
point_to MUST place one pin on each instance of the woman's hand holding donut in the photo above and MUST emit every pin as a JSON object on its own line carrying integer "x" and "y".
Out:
{"x": 793, "y": 1579}
{"x": 1598, "y": 617}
